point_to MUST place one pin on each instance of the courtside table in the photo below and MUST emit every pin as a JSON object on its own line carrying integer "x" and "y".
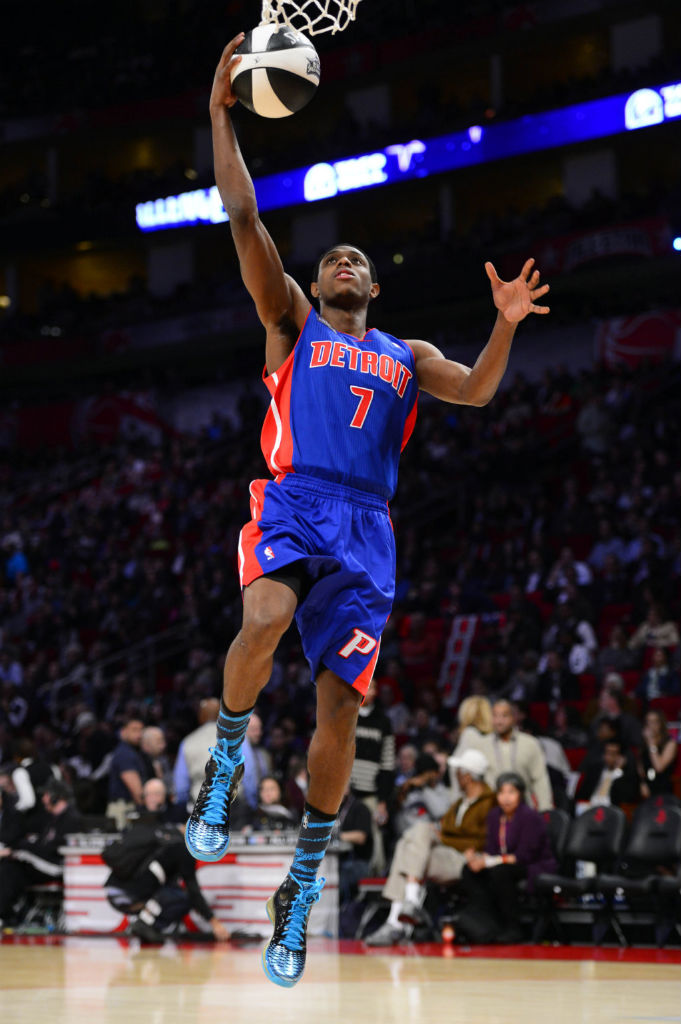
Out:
{"x": 236, "y": 888}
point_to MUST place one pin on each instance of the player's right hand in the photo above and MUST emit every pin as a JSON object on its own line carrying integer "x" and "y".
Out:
{"x": 221, "y": 93}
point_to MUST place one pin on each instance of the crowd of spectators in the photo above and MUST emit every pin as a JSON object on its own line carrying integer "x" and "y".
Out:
{"x": 102, "y": 205}
{"x": 340, "y": 134}
{"x": 127, "y": 54}
{"x": 551, "y": 515}
{"x": 64, "y": 314}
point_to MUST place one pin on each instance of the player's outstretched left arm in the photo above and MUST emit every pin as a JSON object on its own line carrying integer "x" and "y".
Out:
{"x": 453, "y": 382}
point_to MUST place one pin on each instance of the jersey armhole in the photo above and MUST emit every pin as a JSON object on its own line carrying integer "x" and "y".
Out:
{"x": 270, "y": 380}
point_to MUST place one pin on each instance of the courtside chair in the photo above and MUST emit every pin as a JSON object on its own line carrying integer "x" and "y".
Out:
{"x": 649, "y": 873}
{"x": 558, "y": 824}
{"x": 595, "y": 836}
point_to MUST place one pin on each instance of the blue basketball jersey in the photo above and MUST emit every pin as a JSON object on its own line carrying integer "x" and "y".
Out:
{"x": 342, "y": 408}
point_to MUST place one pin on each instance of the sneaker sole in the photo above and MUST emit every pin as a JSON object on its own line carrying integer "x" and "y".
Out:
{"x": 269, "y": 906}
{"x": 210, "y": 858}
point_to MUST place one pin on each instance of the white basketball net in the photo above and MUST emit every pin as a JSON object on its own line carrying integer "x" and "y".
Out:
{"x": 311, "y": 17}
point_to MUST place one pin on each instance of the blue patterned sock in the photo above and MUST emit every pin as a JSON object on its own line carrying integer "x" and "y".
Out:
{"x": 232, "y": 727}
{"x": 313, "y": 839}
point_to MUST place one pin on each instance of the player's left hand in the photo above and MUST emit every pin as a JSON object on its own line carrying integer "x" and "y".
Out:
{"x": 515, "y": 299}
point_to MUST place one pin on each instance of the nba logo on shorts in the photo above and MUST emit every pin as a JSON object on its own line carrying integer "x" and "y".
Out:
{"x": 269, "y": 553}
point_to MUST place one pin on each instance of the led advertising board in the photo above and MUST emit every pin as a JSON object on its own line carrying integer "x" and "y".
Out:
{"x": 421, "y": 158}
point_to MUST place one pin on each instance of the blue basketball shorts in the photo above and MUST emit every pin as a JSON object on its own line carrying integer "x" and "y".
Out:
{"x": 344, "y": 540}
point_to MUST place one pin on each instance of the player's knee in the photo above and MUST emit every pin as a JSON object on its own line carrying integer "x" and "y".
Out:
{"x": 337, "y": 704}
{"x": 265, "y": 622}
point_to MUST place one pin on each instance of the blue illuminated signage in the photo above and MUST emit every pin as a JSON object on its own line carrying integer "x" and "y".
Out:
{"x": 418, "y": 159}
{"x": 646, "y": 107}
{"x": 203, "y": 205}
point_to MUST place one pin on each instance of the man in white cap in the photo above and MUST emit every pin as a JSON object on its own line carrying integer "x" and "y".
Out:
{"x": 428, "y": 852}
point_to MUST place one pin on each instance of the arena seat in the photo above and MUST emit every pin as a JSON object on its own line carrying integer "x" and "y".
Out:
{"x": 435, "y": 631}
{"x": 545, "y": 607}
{"x": 631, "y": 679}
{"x": 580, "y": 706}
{"x": 588, "y": 685}
{"x": 369, "y": 893}
{"x": 613, "y": 615}
{"x": 558, "y": 824}
{"x": 654, "y": 846}
{"x": 669, "y": 706}
{"x": 540, "y": 713}
{"x": 45, "y": 907}
{"x": 580, "y": 543}
{"x": 575, "y": 756}
{"x": 596, "y": 835}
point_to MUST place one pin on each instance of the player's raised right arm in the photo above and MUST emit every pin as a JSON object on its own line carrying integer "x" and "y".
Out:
{"x": 280, "y": 302}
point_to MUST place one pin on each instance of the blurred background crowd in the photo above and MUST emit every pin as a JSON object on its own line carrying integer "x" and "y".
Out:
{"x": 544, "y": 527}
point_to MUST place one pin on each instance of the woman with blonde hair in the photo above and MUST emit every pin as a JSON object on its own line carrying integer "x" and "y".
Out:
{"x": 475, "y": 713}
{"x": 475, "y": 722}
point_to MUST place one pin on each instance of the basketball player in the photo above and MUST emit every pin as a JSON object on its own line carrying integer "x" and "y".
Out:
{"x": 319, "y": 545}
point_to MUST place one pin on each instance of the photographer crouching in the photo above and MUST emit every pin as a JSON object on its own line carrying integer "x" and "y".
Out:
{"x": 148, "y": 863}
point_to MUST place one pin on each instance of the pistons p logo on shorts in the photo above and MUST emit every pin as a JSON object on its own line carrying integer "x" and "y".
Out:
{"x": 361, "y": 643}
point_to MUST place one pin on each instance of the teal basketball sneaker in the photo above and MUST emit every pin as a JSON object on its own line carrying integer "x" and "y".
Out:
{"x": 207, "y": 832}
{"x": 283, "y": 959}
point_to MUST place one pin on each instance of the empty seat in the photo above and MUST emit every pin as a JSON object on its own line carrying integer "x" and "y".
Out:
{"x": 651, "y": 860}
{"x": 595, "y": 836}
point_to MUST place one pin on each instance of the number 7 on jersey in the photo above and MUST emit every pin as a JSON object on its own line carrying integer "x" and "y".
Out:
{"x": 366, "y": 397}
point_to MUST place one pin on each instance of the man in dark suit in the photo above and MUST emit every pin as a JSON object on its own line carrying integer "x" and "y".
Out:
{"x": 610, "y": 779}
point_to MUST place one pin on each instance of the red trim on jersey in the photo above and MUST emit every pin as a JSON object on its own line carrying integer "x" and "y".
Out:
{"x": 284, "y": 456}
{"x": 267, "y": 378}
{"x": 362, "y": 681}
{"x": 409, "y": 424}
{"x": 276, "y": 439}
{"x": 268, "y": 436}
{"x": 251, "y": 535}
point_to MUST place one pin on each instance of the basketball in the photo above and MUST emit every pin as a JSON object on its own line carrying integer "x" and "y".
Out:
{"x": 278, "y": 72}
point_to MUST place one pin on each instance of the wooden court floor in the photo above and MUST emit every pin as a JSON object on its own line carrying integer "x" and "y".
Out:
{"x": 109, "y": 981}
